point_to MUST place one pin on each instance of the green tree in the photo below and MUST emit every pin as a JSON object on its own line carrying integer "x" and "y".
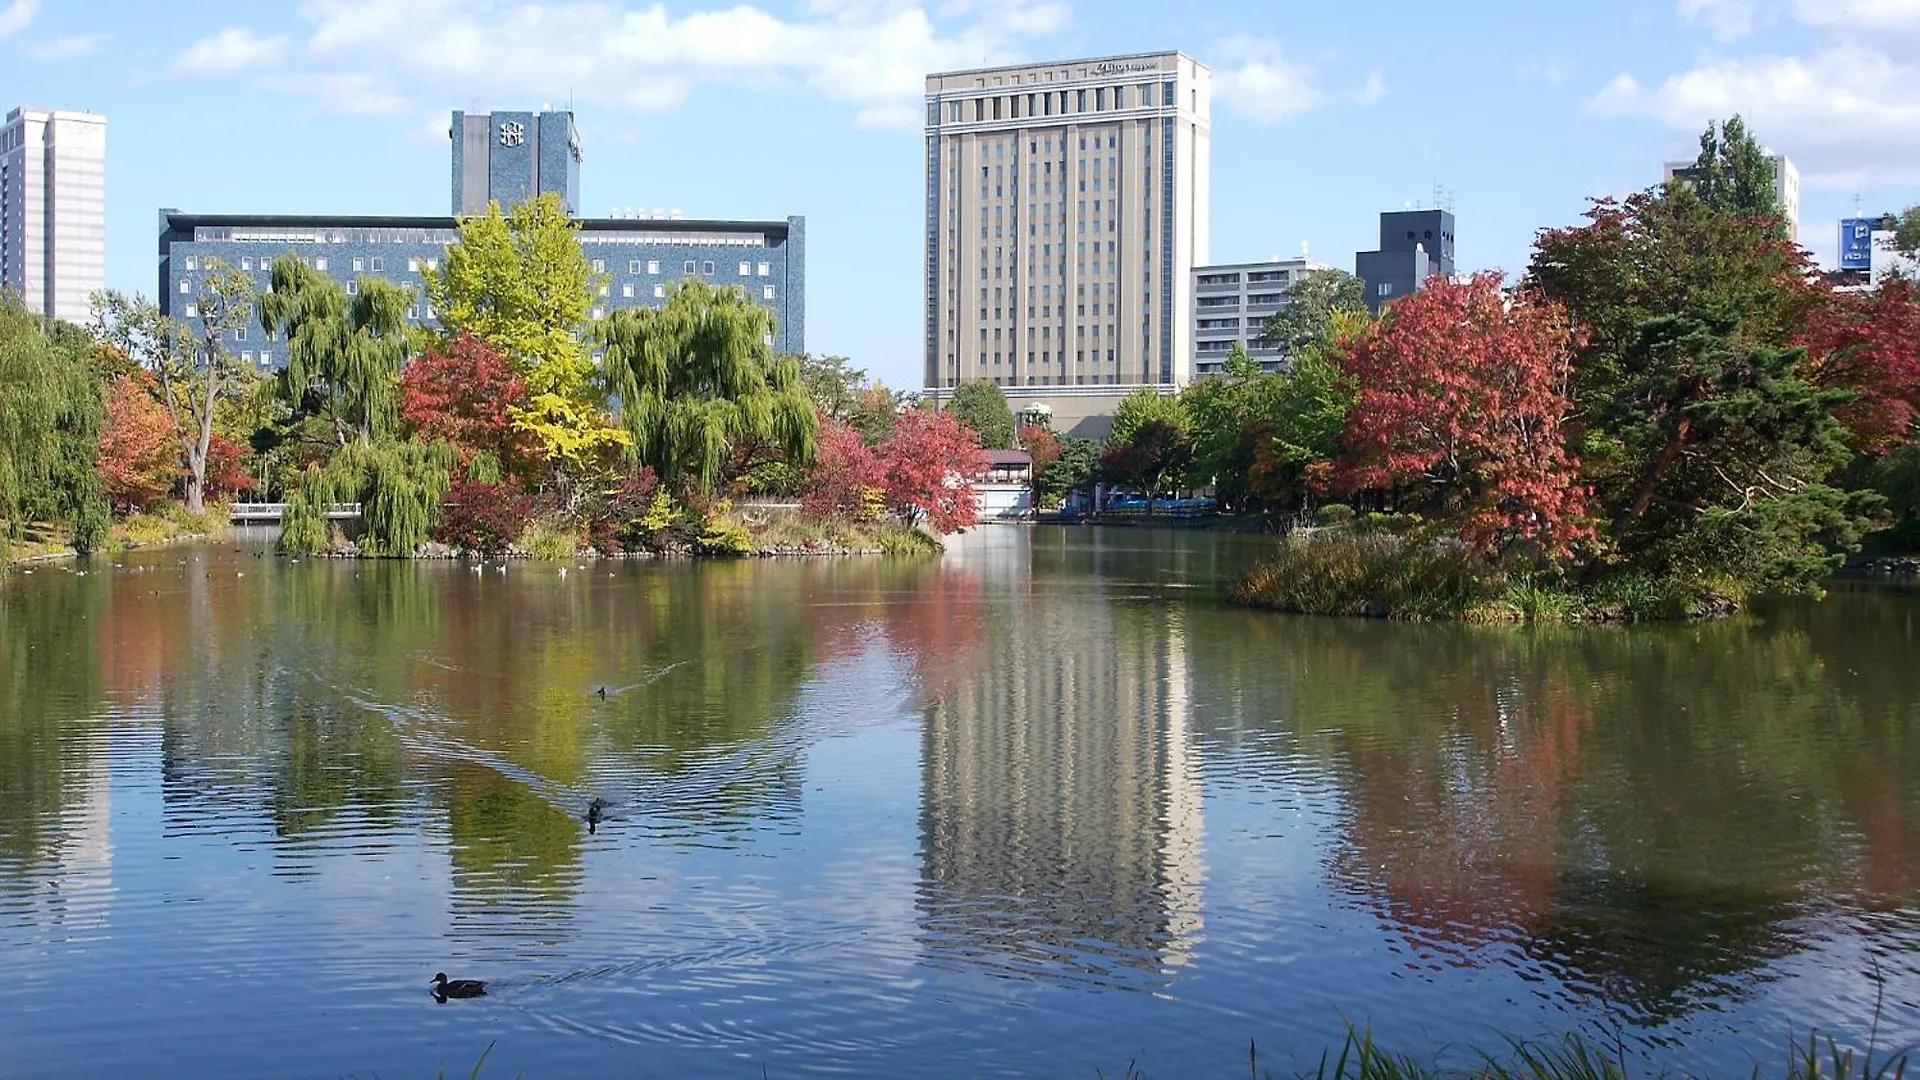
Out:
{"x": 397, "y": 484}
{"x": 983, "y": 407}
{"x": 343, "y": 356}
{"x": 1709, "y": 452}
{"x": 1308, "y": 315}
{"x": 520, "y": 282}
{"x": 701, "y": 391}
{"x": 1144, "y": 406}
{"x": 1732, "y": 174}
{"x": 1906, "y": 231}
{"x": 191, "y": 359}
{"x": 1256, "y": 434}
{"x": 51, "y": 414}
{"x": 833, "y": 383}
{"x": 1073, "y": 470}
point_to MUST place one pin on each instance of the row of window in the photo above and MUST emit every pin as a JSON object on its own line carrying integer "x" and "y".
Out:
{"x": 1065, "y": 102}
{"x": 378, "y": 264}
{"x": 690, "y": 267}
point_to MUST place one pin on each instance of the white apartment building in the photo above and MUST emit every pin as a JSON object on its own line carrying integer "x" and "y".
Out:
{"x": 1231, "y": 305}
{"x": 1786, "y": 185}
{"x": 1066, "y": 207}
{"x": 53, "y": 209}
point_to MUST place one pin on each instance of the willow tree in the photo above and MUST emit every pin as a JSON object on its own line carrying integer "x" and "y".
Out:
{"x": 50, "y": 419}
{"x": 398, "y": 486}
{"x": 344, "y": 354}
{"x": 698, "y": 385}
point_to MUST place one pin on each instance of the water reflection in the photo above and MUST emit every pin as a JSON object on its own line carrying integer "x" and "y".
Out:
{"x": 852, "y": 801}
{"x": 1060, "y": 805}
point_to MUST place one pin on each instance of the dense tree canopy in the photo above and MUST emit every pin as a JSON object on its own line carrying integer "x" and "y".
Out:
{"x": 50, "y": 419}
{"x": 1312, "y": 301}
{"x": 1463, "y": 407}
{"x": 982, "y": 406}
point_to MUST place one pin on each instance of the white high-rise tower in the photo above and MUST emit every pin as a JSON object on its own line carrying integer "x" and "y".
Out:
{"x": 53, "y": 209}
{"x": 1066, "y": 207}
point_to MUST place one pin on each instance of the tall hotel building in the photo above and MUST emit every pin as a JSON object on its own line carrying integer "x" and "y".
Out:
{"x": 53, "y": 210}
{"x": 1066, "y": 207}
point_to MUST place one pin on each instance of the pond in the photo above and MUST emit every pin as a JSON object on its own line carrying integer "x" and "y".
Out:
{"x": 1042, "y": 807}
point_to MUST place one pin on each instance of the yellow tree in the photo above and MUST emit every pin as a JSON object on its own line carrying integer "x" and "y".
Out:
{"x": 519, "y": 281}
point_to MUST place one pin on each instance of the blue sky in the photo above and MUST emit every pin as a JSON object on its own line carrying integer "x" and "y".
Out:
{"x": 1325, "y": 114}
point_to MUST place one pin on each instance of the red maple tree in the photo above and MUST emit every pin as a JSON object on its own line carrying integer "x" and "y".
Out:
{"x": 1463, "y": 406}
{"x": 844, "y": 469}
{"x": 226, "y": 468}
{"x": 463, "y": 391}
{"x": 927, "y": 468}
{"x": 1043, "y": 445}
{"x": 1869, "y": 343}
{"x": 139, "y": 448}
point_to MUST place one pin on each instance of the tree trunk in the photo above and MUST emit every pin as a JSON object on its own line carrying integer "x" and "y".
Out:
{"x": 1643, "y": 498}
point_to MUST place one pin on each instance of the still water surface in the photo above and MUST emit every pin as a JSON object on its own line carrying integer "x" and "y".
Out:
{"x": 1040, "y": 807}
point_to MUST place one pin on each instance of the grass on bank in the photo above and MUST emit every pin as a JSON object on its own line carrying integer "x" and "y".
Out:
{"x": 1383, "y": 570}
{"x": 169, "y": 523}
{"x": 727, "y": 533}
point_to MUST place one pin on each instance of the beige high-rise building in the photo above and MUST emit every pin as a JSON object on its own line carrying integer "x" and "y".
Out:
{"x": 53, "y": 210}
{"x": 1066, "y": 207}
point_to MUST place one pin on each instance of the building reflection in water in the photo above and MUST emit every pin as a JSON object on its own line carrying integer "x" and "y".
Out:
{"x": 1061, "y": 806}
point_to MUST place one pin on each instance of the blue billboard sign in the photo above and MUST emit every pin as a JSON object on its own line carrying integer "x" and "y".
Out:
{"x": 1856, "y": 243}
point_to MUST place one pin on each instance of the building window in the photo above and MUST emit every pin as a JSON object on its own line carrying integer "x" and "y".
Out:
{"x": 359, "y": 265}
{"x": 599, "y": 266}
{"x": 1386, "y": 288}
{"x": 246, "y": 263}
{"x": 653, "y": 266}
{"x": 691, "y": 267}
{"x": 320, "y": 263}
{"x": 707, "y": 268}
{"x": 764, "y": 269}
{"x": 413, "y": 313}
{"x": 247, "y": 357}
{"x": 429, "y": 311}
{"x": 603, "y": 290}
{"x": 239, "y": 333}
{"x": 766, "y": 292}
{"x": 193, "y": 263}
{"x": 659, "y": 291}
{"x": 599, "y": 313}
{"x": 746, "y": 269}
{"x": 413, "y": 266}
{"x": 626, "y": 292}
{"x": 379, "y": 264}
{"x": 193, "y": 311}
{"x": 186, "y": 287}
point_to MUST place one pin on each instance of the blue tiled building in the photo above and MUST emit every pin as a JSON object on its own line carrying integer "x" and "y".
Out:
{"x": 638, "y": 259}
{"x": 510, "y": 157}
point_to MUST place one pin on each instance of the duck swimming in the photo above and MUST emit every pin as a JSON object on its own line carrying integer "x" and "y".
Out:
{"x": 444, "y": 988}
{"x": 594, "y": 810}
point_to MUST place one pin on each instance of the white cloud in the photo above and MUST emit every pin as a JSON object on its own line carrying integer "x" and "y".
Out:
{"x": 1552, "y": 70}
{"x": 1263, "y": 84}
{"x": 1375, "y": 89}
{"x": 65, "y": 48}
{"x": 348, "y": 93}
{"x": 1860, "y": 14}
{"x": 872, "y": 55}
{"x": 1724, "y": 19}
{"x": 15, "y": 16}
{"x": 1845, "y": 108}
{"x": 232, "y": 49}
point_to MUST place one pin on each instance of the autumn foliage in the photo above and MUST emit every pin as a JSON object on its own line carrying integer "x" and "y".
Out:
{"x": 845, "y": 472}
{"x": 226, "y": 468}
{"x": 462, "y": 391}
{"x": 924, "y": 470}
{"x": 1869, "y": 344}
{"x": 1463, "y": 407}
{"x": 139, "y": 449}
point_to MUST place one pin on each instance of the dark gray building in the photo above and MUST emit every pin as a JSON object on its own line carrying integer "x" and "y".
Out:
{"x": 1414, "y": 246}
{"x": 510, "y": 157}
